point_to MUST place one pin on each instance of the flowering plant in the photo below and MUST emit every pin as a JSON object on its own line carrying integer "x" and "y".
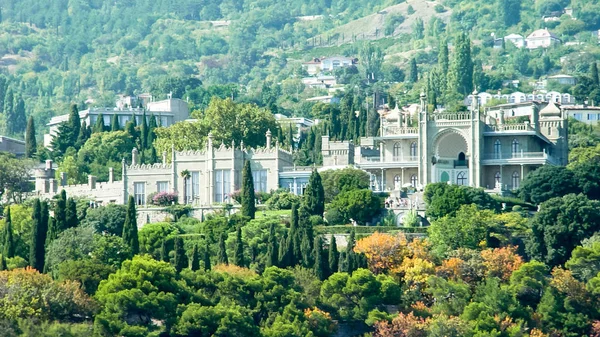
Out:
{"x": 164, "y": 199}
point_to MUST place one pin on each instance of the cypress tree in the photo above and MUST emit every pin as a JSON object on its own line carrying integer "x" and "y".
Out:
{"x": 84, "y": 134}
{"x": 71, "y": 214}
{"x": 20, "y": 118}
{"x": 74, "y": 123}
{"x": 334, "y": 255}
{"x": 222, "y": 258}
{"x": 45, "y": 216}
{"x": 144, "y": 132}
{"x": 130, "y": 129}
{"x": 195, "y": 259}
{"x": 9, "y": 244}
{"x": 594, "y": 74}
{"x": 130, "y": 230}
{"x": 305, "y": 225}
{"x": 114, "y": 123}
{"x": 60, "y": 212}
{"x": 248, "y": 198}
{"x": 305, "y": 247}
{"x": 151, "y": 126}
{"x": 164, "y": 251}
{"x": 30, "y": 140}
{"x": 99, "y": 125}
{"x": 343, "y": 265}
{"x": 38, "y": 238}
{"x": 350, "y": 255}
{"x": 284, "y": 255}
{"x": 413, "y": 74}
{"x": 52, "y": 231}
{"x": 207, "y": 256}
{"x": 153, "y": 157}
{"x": 320, "y": 266}
{"x": 272, "y": 250}
{"x": 291, "y": 137}
{"x": 294, "y": 238}
{"x": 314, "y": 194}
{"x": 179, "y": 255}
{"x": 238, "y": 257}
{"x": 9, "y": 113}
{"x": 3, "y": 263}
{"x": 461, "y": 73}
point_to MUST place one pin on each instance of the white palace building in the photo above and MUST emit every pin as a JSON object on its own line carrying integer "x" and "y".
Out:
{"x": 471, "y": 148}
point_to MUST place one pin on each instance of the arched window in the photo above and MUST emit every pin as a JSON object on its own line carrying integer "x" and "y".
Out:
{"x": 497, "y": 149}
{"x": 515, "y": 147}
{"x": 461, "y": 178}
{"x": 549, "y": 131}
{"x": 497, "y": 178}
{"x": 413, "y": 180}
{"x": 397, "y": 182}
{"x": 397, "y": 151}
{"x": 413, "y": 150}
{"x": 461, "y": 156}
{"x": 515, "y": 180}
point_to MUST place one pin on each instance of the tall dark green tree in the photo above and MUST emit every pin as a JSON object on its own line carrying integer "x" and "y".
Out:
{"x": 164, "y": 251}
{"x": 248, "y": 197}
{"x": 307, "y": 252}
{"x": 30, "y": 140}
{"x": 3, "y": 265}
{"x": 413, "y": 73}
{"x": 45, "y": 216}
{"x": 334, "y": 255}
{"x": 144, "y": 131}
{"x": 84, "y": 135}
{"x": 99, "y": 125}
{"x": 74, "y": 123}
{"x": 39, "y": 230}
{"x": 238, "y": 255}
{"x": 222, "y": 258}
{"x": 594, "y": 74}
{"x": 52, "y": 231}
{"x": 461, "y": 73}
{"x": 314, "y": 194}
{"x": 272, "y": 250}
{"x": 294, "y": 238}
{"x": 71, "y": 214}
{"x": 114, "y": 123}
{"x": 9, "y": 110}
{"x": 509, "y": 12}
{"x": 180, "y": 259}
{"x": 9, "y": 243}
{"x": 350, "y": 256}
{"x": 195, "y": 259}
{"x": 152, "y": 125}
{"x": 130, "y": 230}
{"x": 320, "y": 266}
{"x": 284, "y": 253}
{"x": 60, "y": 212}
{"x": 207, "y": 256}
{"x": 20, "y": 120}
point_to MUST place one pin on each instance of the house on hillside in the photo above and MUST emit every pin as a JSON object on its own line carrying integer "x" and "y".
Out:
{"x": 516, "y": 39}
{"x": 563, "y": 79}
{"x": 541, "y": 38}
{"x": 318, "y": 65}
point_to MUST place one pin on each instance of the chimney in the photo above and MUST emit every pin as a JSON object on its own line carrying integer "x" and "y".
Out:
{"x": 134, "y": 157}
{"x": 63, "y": 179}
{"x": 111, "y": 175}
{"x": 269, "y": 139}
{"x": 91, "y": 182}
{"x": 164, "y": 157}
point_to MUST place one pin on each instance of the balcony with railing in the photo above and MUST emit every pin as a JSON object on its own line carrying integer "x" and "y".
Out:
{"x": 388, "y": 161}
{"x": 515, "y": 127}
{"x": 518, "y": 158}
{"x": 395, "y": 130}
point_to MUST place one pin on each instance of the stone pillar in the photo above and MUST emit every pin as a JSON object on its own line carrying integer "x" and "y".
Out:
{"x": 210, "y": 164}
{"x": 63, "y": 179}
{"x": 91, "y": 182}
{"x": 269, "y": 139}
{"x": 164, "y": 157}
{"x": 232, "y": 174}
{"x": 111, "y": 175}
{"x": 49, "y": 164}
{"x": 53, "y": 186}
{"x": 124, "y": 181}
{"x": 423, "y": 144}
{"x": 134, "y": 157}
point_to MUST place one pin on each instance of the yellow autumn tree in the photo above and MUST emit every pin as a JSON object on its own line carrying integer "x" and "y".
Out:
{"x": 384, "y": 252}
{"x": 501, "y": 262}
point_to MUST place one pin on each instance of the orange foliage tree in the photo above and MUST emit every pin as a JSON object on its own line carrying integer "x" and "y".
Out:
{"x": 401, "y": 326}
{"x": 501, "y": 262}
{"x": 384, "y": 252}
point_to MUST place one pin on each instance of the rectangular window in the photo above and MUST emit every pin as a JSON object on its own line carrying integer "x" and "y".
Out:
{"x": 162, "y": 186}
{"x": 192, "y": 187}
{"x": 260, "y": 180}
{"x": 123, "y": 120}
{"x": 222, "y": 185}
{"x": 577, "y": 116}
{"x": 139, "y": 190}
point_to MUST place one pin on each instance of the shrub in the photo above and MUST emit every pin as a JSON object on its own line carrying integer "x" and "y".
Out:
{"x": 164, "y": 199}
{"x": 334, "y": 217}
{"x": 360, "y": 205}
{"x": 410, "y": 10}
{"x": 316, "y": 220}
{"x": 439, "y": 8}
{"x": 282, "y": 199}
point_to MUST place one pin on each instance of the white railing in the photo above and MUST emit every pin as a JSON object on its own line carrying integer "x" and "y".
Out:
{"x": 449, "y": 116}
{"x": 510, "y": 127}
{"x": 393, "y": 159}
{"x": 393, "y": 130}
{"x": 296, "y": 168}
{"x": 518, "y": 155}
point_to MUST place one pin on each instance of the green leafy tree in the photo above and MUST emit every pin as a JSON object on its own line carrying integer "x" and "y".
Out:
{"x": 157, "y": 239}
{"x": 248, "y": 197}
{"x": 130, "y": 230}
{"x": 509, "y": 12}
{"x": 585, "y": 259}
{"x": 8, "y": 244}
{"x": 180, "y": 258}
{"x": 359, "y": 205}
{"x": 110, "y": 219}
{"x": 194, "y": 259}
{"x": 99, "y": 126}
{"x": 461, "y": 71}
{"x": 30, "y": 140}
{"x": 548, "y": 182}
{"x": 559, "y": 226}
{"x": 594, "y": 74}
{"x": 371, "y": 59}
{"x": 74, "y": 123}
{"x": 38, "y": 237}
{"x": 9, "y": 110}
{"x": 528, "y": 282}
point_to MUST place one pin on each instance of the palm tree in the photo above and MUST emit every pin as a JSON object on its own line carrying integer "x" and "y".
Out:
{"x": 185, "y": 174}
